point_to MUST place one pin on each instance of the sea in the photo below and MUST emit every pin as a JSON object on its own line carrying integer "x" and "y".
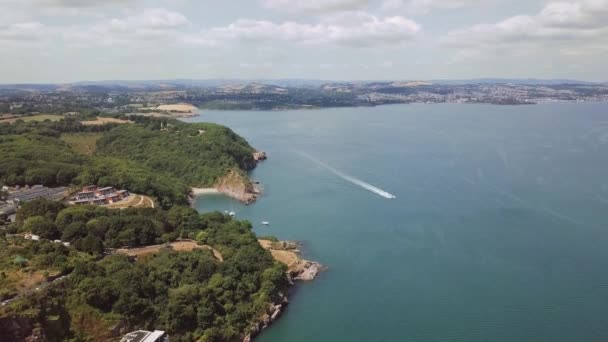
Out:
{"x": 498, "y": 229}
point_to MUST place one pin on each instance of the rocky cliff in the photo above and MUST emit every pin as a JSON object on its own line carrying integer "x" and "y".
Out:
{"x": 238, "y": 186}
{"x": 259, "y": 156}
{"x": 286, "y": 252}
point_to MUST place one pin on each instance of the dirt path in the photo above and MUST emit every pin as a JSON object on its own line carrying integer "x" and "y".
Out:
{"x": 178, "y": 246}
{"x": 135, "y": 201}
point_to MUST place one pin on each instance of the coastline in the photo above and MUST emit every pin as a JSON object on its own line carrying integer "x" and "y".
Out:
{"x": 298, "y": 269}
{"x": 235, "y": 184}
{"x": 203, "y": 191}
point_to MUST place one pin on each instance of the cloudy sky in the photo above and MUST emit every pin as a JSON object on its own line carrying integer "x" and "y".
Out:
{"x": 73, "y": 40}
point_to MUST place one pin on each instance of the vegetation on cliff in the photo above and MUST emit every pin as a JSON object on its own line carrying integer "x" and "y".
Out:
{"x": 156, "y": 157}
{"x": 192, "y": 295}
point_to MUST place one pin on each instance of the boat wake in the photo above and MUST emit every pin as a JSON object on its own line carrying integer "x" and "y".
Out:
{"x": 348, "y": 178}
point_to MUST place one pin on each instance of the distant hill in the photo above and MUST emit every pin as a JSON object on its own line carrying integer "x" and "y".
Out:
{"x": 522, "y": 81}
{"x": 185, "y": 84}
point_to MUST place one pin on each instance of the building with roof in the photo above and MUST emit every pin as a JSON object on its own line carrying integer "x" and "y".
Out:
{"x": 146, "y": 336}
{"x": 104, "y": 191}
{"x": 6, "y": 210}
{"x": 37, "y": 192}
{"x": 99, "y": 196}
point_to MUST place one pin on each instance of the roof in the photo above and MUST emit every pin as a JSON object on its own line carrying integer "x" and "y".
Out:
{"x": 143, "y": 336}
{"x": 28, "y": 195}
{"x": 155, "y": 336}
{"x": 7, "y": 209}
{"x": 136, "y": 336}
{"x": 106, "y": 188}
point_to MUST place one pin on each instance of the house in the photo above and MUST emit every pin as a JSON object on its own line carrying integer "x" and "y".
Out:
{"x": 113, "y": 198}
{"x": 89, "y": 188}
{"x": 99, "y": 196}
{"x": 146, "y": 336}
{"x": 104, "y": 191}
{"x": 99, "y": 201}
{"x": 84, "y": 195}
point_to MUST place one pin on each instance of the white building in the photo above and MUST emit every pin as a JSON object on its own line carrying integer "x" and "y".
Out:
{"x": 146, "y": 336}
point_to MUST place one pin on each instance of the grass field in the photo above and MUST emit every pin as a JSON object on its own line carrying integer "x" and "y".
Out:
{"x": 82, "y": 143}
{"x": 287, "y": 257}
{"x": 178, "y": 246}
{"x": 40, "y": 117}
{"x": 133, "y": 201}
{"x": 101, "y": 121}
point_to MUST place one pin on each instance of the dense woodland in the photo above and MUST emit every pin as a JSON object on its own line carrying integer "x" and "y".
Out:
{"x": 191, "y": 295}
{"x": 90, "y": 293}
{"x": 159, "y": 158}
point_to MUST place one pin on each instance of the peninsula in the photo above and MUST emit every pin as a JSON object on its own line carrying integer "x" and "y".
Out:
{"x": 74, "y": 269}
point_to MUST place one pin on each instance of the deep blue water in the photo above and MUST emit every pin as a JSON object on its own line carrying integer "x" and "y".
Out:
{"x": 498, "y": 232}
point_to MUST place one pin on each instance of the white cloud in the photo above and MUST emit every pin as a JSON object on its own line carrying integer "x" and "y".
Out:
{"x": 144, "y": 28}
{"x": 358, "y": 30}
{"x": 315, "y": 5}
{"x": 424, "y": 6}
{"x": 155, "y": 18}
{"x": 27, "y": 31}
{"x": 65, "y": 3}
{"x": 557, "y": 23}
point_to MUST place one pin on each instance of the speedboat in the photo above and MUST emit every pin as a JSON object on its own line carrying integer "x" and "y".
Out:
{"x": 232, "y": 213}
{"x": 265, "y": 223}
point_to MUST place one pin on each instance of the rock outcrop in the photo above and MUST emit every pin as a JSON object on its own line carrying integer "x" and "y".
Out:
{"x": 286, "y": 252}
{"x": 271, "y": 315}
{"x": 308, "y": 270}
{"x": 238, "y": 186}
{"x": 259, "y": 156}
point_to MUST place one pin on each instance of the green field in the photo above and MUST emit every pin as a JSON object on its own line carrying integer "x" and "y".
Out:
{"x": 82, "y": 143}
{"x": 40, "y": 117}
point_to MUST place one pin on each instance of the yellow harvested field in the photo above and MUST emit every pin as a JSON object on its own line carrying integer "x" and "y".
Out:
{"x": 287, "y": 257}
{"x": 101, "y": 121}
{"x": 179, "y": 246}
{"x": 180, "y": 107}
{"x": 40, "y": 117}
{"x": 133, "y": 201}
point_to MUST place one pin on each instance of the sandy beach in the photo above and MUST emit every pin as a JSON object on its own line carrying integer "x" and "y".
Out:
{"x": 204, "y": 191}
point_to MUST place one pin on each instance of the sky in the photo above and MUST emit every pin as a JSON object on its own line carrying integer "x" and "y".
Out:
{"x": 56, "y": 41}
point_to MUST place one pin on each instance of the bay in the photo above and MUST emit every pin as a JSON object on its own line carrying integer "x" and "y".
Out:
{"x": 497, "y": 233}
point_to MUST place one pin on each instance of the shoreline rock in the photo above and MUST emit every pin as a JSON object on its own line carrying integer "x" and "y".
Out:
{"x": 238, "y": 186}
{"x": 298, "y": 269}
{"x": 270, "y": 316}
{"x": 259, "y": 156}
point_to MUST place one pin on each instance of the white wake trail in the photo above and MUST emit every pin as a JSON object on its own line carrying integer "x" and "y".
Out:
{"x": 351, "y": 179}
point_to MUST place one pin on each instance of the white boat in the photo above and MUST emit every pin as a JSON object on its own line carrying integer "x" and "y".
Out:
{"x": 265, "y": 223}
{"x": 232, "y": 213}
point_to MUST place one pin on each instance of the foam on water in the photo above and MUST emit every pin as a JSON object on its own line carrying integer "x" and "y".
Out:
{"x": 348, "y": 178}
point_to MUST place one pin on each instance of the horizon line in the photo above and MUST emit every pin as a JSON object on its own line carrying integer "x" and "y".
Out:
{"x": 247, "y": 79}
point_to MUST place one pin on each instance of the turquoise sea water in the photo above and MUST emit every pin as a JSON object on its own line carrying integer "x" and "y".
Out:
{"x": 498, "y": 233}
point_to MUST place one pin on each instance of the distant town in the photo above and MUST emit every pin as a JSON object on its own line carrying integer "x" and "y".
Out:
{"x": 147, "y": 97}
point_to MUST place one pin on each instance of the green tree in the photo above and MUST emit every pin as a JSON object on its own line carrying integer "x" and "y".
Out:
{"x": 41, "y": 226}
{"x": 92, "y": 245}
